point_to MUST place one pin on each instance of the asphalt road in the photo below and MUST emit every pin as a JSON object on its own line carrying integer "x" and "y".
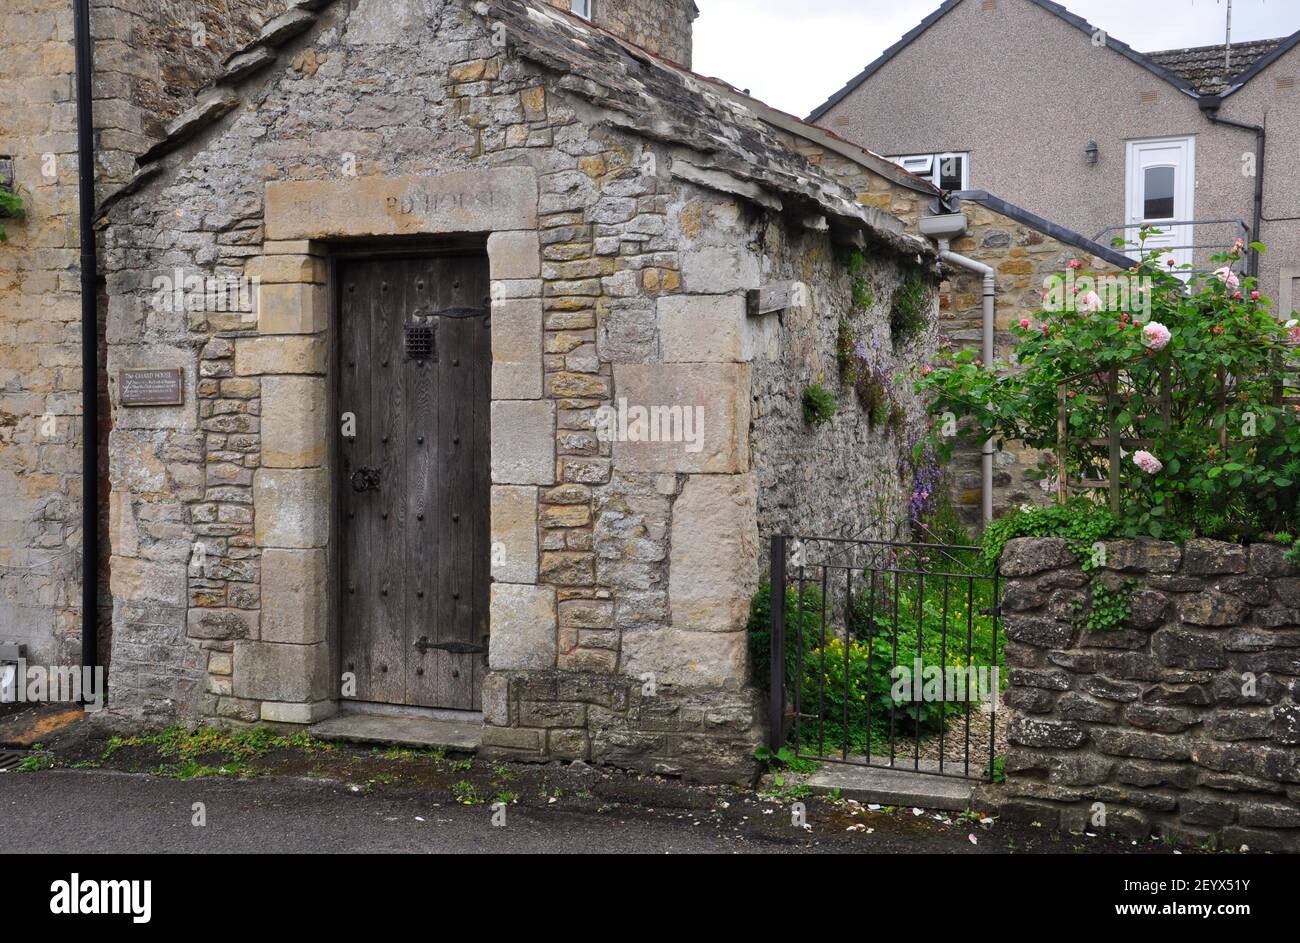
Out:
{"x": 69, "y": 811}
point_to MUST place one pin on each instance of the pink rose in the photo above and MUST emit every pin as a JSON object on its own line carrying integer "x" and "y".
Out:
{"x": 1075, "y": 263}
{"x": 1228, "y": 277}
{"x": 1024, "y": 323}
{"x": 1254, "y": 296}
{"x": 1089, "y": 302}
{"x": 1156, "y": 335}
{"x": 1147, "y": 462}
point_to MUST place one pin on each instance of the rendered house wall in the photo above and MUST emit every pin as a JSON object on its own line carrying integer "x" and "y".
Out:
{"x": 1024, "y": 92}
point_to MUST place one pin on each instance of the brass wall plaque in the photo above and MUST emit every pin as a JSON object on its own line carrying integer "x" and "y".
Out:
{"x": 151, "y": 387}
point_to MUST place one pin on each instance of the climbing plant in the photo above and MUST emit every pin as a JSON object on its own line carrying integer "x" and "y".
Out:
{"x": 1184, "y": 375}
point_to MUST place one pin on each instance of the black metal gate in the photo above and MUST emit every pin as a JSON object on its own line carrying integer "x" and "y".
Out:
{"x": 885, "y": 653}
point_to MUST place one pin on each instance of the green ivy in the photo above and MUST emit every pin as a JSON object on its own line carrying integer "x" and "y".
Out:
{"x": 1107, "y": 607}
{"x": 909, "y": 309}
{"x": 819, "y": 405}
{"x": 1079, "y": 521}
{"x": 863, "y": 295}
{"x": 1083, "y": 524}
{"x": 11, "y": 207}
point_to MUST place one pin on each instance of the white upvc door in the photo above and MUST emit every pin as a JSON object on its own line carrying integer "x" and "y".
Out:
{"x": 1160, "y": 190}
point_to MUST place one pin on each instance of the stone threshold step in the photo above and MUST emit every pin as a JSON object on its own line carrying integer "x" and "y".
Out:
{"x": 895, "y": 786}
{"x": 424, "y": 733}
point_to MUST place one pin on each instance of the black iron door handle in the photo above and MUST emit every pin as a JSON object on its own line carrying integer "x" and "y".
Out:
{"x": 365, "y": 479}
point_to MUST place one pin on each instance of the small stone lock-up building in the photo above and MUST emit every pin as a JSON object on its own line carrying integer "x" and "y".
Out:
{"x": 517, "y": 400}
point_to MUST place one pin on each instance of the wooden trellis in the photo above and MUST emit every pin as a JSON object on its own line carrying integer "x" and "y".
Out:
{"x": 1115, "y": 443}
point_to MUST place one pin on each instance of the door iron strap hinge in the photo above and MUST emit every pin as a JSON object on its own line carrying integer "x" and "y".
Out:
{"x": 455, "y": 648}
{"x": 460, "y": 312}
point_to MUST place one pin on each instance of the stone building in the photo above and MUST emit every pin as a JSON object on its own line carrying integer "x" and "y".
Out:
{"x": 1193, "y": 141}
{"x": 481, "y": 335}
{"x": 151, "y": 57}
{"x": 662, "y": 27}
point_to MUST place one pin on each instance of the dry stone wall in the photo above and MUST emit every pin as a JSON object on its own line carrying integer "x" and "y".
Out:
{"x": 1185, "y": 721}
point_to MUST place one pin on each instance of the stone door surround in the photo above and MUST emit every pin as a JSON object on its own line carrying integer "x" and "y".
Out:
{"x": 290, "y": 668}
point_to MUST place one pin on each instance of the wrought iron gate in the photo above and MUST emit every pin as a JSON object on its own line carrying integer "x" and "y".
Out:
{"x": 885, "y": 653}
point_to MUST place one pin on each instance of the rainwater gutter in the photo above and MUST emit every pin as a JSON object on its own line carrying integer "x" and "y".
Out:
{"x": 1210, "y": 107}
{"x": 943, "y": 229}
{"x": 89, "y": 339}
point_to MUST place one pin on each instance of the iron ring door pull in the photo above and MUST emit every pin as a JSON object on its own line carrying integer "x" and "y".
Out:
{"x": 365, "y": 479}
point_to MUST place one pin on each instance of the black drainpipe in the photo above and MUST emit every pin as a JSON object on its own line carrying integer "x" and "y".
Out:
{"x": 89, "y": 341}
{"x": 1210, "y": 106}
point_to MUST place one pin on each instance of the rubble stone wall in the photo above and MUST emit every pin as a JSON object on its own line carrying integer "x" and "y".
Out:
{"x": 850, "y": 477}
{"x": 1185, "y": 721}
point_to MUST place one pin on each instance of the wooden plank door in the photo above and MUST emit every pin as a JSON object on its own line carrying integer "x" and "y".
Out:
{"x": 414, "y": 371}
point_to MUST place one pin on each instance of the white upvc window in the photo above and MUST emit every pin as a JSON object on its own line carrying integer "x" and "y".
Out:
{"x": 949, "y": 170}
{"x": 581, "y": 7}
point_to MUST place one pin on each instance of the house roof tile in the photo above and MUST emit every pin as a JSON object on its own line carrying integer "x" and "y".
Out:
{"x": 1213, "y": 69}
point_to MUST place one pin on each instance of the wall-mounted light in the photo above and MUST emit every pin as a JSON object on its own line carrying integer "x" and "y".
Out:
{"x": 1091, "y": 152}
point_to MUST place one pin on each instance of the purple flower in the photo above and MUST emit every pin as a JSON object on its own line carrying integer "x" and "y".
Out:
{"x": 925, "y": 481}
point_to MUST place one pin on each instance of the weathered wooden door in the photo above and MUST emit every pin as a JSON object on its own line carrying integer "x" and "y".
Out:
{"x": 414, "y": 368}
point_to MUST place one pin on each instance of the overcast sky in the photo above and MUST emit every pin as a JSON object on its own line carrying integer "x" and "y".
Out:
{"x": 795, "y": 54}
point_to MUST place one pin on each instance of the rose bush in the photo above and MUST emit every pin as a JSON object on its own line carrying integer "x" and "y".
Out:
{"x": 1221, "y": 457}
